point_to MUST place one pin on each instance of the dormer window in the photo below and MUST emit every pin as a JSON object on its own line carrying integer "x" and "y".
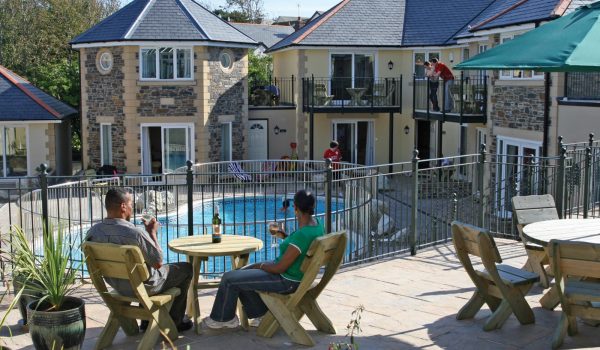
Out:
{"x": 166, "y": 63}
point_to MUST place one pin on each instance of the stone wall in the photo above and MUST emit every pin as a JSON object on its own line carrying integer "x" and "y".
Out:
{"x": 158, "y": 101}
{"x": 227, "y": 97}
{"x": 516, "y": 107}
{"x": 104, "y": 99}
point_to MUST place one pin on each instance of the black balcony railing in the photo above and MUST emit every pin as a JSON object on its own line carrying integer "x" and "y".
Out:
{"x": 582, "y": 85}
{"x": 272, "y": 92}
{"x": 353, "y": 93}
{"x": 461, "y": 100}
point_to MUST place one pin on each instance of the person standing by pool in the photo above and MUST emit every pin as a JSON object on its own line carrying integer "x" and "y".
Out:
{"x": 333, "y": 152}
{"x": 116, "y": 228}
{"x": 283, "y": 275}
{"x": 285, "y": 205}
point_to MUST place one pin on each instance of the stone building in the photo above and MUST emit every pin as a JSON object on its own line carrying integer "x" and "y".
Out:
{"x": 162, "y": 82}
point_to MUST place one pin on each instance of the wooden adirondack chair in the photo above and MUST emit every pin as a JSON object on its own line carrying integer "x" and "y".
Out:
{"x": 127, "y": 262}
{"x": 286, "y": 310}
{"x": 576, "y": 268}
{"x": 527, "y": 210}
{"x": 502, "y": 287}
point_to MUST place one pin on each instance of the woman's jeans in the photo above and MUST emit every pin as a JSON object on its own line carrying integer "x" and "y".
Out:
{"x": 244, "y": 284}
{"x": 433, "y": 89}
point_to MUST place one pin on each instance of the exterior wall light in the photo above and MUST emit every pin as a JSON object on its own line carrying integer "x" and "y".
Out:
{"x": 390, "y": 65}
{"x": 406, "y": 130}
{"x": 276, "y": 130}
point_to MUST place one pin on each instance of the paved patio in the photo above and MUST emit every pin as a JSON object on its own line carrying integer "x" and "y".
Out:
{"x": 410, "y": 303}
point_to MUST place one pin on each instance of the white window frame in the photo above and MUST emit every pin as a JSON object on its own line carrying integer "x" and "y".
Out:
{"x": 191, "y": 151}
{"x": 427, "y": 58}
{"x": 371, "y": 136}
{"x": 230, "y": 124}
{"x": 506, "y": 74}
{"x": 102, "y": 150}
{"x": 4, "y": 146}
{"x": 157, "y": 62}
{"x": 353, "y": 53}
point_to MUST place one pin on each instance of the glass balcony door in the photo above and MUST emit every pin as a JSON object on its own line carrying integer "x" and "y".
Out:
{"x": 350, "y": 70}
{"x": 166, "y": 147}
{"x": 356, "y": 141}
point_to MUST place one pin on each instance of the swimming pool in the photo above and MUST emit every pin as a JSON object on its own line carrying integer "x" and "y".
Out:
{"x": 247, "y": 216}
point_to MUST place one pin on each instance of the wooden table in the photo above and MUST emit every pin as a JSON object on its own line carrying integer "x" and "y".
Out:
{"x": 200, "y": 248}
{"x": 577, "y": 230}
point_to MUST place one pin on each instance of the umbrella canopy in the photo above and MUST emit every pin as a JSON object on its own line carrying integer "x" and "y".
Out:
{"x": 568, "y": 44}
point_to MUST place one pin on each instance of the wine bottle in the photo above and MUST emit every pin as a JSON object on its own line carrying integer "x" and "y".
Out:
{"x": 216, "y": 223}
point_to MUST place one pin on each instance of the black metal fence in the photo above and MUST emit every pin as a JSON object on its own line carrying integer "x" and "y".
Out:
{"x": 273, "y": 92}
{"x": 352, "y": 93}
{"x": 385, "y": 210}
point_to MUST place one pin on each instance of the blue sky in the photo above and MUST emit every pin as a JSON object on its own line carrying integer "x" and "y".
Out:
{"x": 274, "y": 8}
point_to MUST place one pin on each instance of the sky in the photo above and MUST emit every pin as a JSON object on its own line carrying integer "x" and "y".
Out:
{"x": 275, "y": 8}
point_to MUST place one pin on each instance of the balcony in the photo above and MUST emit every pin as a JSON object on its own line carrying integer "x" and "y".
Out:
{"x": 352, "y": 95}
{"x": 465, "y": 102}
{"x": 272, "y": 93}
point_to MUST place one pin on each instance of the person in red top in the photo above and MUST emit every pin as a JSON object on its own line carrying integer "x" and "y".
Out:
{"x": 441, "y": 70}
{"x": 333, "y": 153}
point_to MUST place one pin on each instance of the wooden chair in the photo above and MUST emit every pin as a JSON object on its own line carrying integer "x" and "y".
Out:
{"x": 127, "y": 262}
{"x": 576, "y": 268}
{"x": 286, "y": 310}
{"x": 501, "y": 287}
{"x": 527, "y": 210}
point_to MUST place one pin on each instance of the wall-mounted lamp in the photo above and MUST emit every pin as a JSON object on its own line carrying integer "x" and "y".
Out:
{"x": 451, "y": 57}
{"x": 276, "y": 130}
{"x": 406, "y": 130}
{"x": 390, "y": 65}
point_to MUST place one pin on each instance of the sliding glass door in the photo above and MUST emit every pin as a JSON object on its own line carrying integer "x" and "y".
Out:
{"x": 356, "y": 141}
{"x": 350, "y": 70}
{"x": 166, "y": 147}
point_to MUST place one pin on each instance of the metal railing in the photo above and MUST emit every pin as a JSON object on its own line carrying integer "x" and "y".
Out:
{"x": 274, "y": 92}
{"x": 358, "y": 93}
{"x": 464, "y": 96}
{"x": 582, "y": 85}
{"x": 385, "y": 209}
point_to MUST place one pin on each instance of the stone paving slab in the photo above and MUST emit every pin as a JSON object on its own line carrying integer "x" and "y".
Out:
{"x": 410, "y": 302}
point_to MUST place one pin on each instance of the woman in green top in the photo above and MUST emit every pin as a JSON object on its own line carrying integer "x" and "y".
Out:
{"x": 283, "y": 275}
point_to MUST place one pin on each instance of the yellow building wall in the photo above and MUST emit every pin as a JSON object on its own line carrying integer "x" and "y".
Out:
{"x": 39, "y": 150}
{"x": 575, "y": 123}
{"x": 284, "y": 119}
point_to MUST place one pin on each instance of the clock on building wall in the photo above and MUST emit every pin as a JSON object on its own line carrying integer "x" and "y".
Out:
{"x": 104, "y": 61}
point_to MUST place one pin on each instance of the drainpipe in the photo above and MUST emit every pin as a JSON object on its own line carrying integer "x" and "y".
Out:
{"x": 546, "y": 113}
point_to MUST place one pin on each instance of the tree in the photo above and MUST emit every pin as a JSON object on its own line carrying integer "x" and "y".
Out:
{"x": 259, "y": 69}
{"x": 232, "y": 16}
{"x": 252, "y": 9}
{"x": 34, "y": 42}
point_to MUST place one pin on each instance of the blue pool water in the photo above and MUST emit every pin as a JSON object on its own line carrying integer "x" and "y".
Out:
{"x": 247, "y": 216}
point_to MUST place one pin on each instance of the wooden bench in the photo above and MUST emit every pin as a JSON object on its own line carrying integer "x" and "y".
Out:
{"x": 501, "y": 287}
{"x": 576, "y": 268}
{"x": 127, "y": 262}
{"x": 286, "y": 310}
{"x": 527, "y": 210}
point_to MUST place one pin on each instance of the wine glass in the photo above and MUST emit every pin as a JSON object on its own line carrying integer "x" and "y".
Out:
{"x": 274, "y": 228}
{"x": 147, "y": 214}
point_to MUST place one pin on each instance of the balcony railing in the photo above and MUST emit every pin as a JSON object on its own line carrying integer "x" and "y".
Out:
{"x": 582, "y": 85}
{"x": 273, "y": 92}
{"x": 352, "y": 94}
{"x": 462, "y": 100}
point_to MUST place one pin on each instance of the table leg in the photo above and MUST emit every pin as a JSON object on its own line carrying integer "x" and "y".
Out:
{"x": 550, "y": 300}
{"x": 193, "y": 307}
{"x": 237, "y": 262}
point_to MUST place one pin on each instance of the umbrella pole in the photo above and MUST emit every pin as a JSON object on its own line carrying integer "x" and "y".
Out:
{"x": 546, "y": 113}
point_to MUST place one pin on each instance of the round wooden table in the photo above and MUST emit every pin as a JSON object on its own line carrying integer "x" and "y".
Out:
{"x": 577, "y": 230}
{"x": 200, "y": 248}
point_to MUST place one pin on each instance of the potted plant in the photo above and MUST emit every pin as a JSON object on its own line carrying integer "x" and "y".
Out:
{"x": 56, "y": 320}
{"x": 4, "y": 260}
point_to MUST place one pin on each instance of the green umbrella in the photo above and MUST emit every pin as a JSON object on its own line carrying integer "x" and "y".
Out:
{"x": 567, "y": 44}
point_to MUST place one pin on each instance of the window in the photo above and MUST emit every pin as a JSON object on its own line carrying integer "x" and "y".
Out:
{"x": 518, "y": 73}
{"x": 350, "y": 70}
{"x": 226, "y": 60}
{"x": 104, "y": 62}
{"x": 13, "y": 151}
{"x": 226, "y": 142}
{"x": 106, "y": 144}
{"x": 420, "y": 58}
{"x": 166, "y": 63}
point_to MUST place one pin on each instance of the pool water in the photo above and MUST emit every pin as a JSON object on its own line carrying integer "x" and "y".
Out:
{"x": 247, "y": 216}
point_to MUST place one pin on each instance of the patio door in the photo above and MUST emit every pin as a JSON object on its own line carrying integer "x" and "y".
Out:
{"x": 165, "y": 147}
{"x": 356, "y": 141}
{"x": 350, "y": 70}
{"x": 518, "y": 171}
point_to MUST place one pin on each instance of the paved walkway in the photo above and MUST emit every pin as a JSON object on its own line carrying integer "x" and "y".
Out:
{"x": 410, "y": 303}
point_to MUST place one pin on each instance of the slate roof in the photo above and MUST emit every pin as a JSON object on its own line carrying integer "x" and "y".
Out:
{"x": 407, "y": 23}
{"x": 163, "y": 20}
{"x": 374, "y": 23}
{"x": 265, "y": 34}
{"x": 21, "y": 101}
